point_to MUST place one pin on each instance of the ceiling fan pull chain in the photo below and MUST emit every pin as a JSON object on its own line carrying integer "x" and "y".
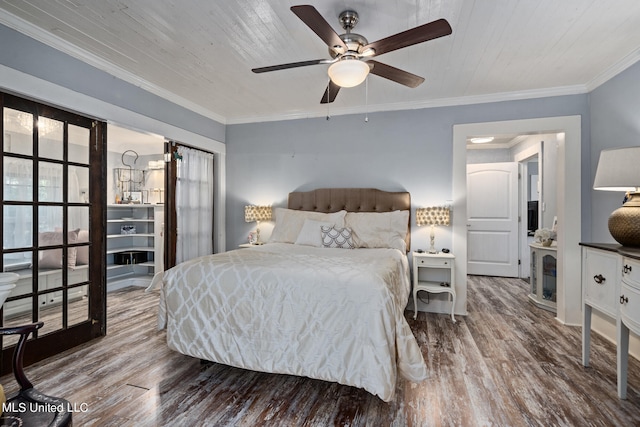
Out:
{"x": 366, "y": 100}
{"x": 328, "y": 97}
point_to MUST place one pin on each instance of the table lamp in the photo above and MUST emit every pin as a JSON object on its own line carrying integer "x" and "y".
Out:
{"x": 438, "y": 215}
{"x": 619, "y": 170}
{"x": 257, "y": 213}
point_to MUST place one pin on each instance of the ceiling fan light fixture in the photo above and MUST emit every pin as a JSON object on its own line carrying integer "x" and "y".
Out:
{"x": 348, "y": 72}
{"x": 368, "y": 52}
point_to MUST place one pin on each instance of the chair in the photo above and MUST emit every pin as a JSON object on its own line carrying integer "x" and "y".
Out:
{"x": 30, "y": 407}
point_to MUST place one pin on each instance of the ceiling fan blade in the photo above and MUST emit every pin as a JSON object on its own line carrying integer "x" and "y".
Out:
{"x": 310, "y": 16}
{"x": 291, "y": 65}
{"x": 330, "y": 93}
{"x": 416, "y": 35}
{"x": 395, "y": 74}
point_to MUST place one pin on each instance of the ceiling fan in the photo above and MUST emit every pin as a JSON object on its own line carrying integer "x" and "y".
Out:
{"x": 351, "y": 53}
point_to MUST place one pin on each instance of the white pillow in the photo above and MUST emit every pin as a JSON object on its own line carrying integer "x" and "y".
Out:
{"x": 289, "y": 223}
{"x": 379, "y": 229}
{"x": 311, "y": 233}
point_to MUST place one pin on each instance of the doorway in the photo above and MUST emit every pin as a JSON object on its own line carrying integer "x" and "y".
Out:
{"x": 135, "y": 194}
{"x": 568, "y": 184}
{"x": 531, "y": 162}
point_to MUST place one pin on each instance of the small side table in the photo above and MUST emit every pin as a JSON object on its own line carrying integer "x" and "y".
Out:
{"x": 427, "y": 261}
{"x": 250, "y": 245}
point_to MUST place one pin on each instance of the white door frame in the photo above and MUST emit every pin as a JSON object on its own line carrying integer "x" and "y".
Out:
{"x": 569, "y": 203}
{"x": 521, "y": 158}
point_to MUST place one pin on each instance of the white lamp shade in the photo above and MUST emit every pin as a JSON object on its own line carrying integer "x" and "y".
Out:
{"x": 348, "y": 72}
{"x": 618, "y": 170}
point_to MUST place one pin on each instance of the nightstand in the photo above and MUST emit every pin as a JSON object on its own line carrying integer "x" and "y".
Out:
{"x": 427, "y": 283}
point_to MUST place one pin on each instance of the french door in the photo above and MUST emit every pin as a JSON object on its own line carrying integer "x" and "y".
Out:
{"x": 53, "y": 210}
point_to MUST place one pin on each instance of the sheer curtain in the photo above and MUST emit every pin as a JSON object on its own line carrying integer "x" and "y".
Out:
{"x": 194, "y": 204}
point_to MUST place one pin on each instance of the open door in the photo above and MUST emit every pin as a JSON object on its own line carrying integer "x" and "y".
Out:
{"x": 53, "y": 211}
{"x": 492, "y": 219}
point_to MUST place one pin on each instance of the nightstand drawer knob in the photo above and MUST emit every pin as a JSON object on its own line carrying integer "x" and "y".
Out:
{"x": 599, "y": 279}
{"x": 623, "y": 299}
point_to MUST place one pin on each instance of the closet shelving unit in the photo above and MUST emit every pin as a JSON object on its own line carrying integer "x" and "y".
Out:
{"x": 132, "y": 258}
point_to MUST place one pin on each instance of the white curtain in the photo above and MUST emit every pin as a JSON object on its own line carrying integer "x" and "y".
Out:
{"x": 194, "y": 204}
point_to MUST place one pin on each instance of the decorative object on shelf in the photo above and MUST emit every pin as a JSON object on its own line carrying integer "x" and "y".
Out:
{"x": 257, "y": 213}
{"x": 437, "y": 215}
{"x": 618, "y": 170}
{"x": 130, "y": 257}
{"x": 128, "y": 229}
{"x": 133, "y": 197}
{"x": 544, "y": 236}
{"x": 130, "y": 181}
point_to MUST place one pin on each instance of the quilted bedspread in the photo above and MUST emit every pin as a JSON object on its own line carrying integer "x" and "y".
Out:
{"x": 329, "y": 314}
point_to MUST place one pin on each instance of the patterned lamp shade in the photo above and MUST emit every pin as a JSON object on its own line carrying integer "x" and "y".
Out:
{"x": 257, "y": 213}
{"x": 438, "y": 215}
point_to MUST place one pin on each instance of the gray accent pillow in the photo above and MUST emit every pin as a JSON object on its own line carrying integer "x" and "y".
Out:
{"x": 333, "y": 237}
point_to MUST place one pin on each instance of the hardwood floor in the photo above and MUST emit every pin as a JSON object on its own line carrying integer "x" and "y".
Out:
{"x": 507, "y": 363}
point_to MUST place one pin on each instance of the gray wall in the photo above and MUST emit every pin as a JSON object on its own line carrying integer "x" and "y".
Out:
{"x": 401, "y": 150}
{"x": 25, "y": 54}
{"x": 498, "y": 155}
{"x": 615, "y": 122}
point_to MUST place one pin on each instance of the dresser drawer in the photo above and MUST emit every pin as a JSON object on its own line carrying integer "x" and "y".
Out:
{"x": 433, "y": 262}
{"x": 600, "y": 281}
{"x": 629, "y": 301}
{"x": 631, "y": 272}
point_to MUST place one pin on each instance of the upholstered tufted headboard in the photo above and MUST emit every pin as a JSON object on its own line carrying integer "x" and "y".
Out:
{"x": 352, "y": 200}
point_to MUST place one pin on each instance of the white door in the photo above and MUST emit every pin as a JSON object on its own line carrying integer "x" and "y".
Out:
{"x": 492, "y": 219}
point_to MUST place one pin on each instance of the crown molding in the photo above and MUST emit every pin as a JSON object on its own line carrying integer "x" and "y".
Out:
{"x": 614, "y": 70}
{"x": 55, "y": 42}
{"x": 433, "y": 103}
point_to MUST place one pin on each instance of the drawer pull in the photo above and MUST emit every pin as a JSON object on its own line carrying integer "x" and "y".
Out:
{"x": 623, "y": 299}
{"x": 626, "y": 269}
{"x": 599, "y": 279}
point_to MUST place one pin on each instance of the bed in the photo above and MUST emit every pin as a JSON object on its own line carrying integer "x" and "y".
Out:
{"x": 324, "y": 298}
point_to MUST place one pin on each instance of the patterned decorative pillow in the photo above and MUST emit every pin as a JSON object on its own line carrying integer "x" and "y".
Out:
{"x": 337, "y": 237}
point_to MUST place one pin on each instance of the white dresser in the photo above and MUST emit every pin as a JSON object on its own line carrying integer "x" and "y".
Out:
{"x": 611, "y": 285}
{"x": 628, "y": 317}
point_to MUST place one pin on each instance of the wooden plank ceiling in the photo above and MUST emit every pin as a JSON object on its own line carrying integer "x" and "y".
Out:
{"x": 199, "y": 53}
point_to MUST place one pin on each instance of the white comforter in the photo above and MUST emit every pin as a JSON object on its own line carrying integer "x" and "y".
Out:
{"x": 329, "y": 314}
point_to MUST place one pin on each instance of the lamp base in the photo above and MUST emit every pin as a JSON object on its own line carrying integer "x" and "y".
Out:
{"x": 432, "y": 248}
{"x": 624, "y": 222}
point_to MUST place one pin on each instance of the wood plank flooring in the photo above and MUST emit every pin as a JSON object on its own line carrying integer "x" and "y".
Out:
{"x": 508, "y": 363}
